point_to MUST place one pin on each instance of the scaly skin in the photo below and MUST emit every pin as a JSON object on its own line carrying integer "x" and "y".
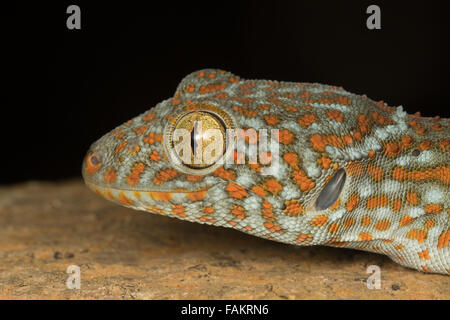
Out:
{"x": 395, "y": 200}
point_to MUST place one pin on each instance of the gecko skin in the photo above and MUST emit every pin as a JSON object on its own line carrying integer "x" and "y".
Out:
{"x": 395, "y": 167}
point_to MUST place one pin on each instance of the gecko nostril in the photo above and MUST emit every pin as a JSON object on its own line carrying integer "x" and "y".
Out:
{"x": 95, "y": 160}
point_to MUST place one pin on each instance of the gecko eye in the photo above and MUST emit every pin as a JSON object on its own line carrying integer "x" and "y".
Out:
{"x": 330, "y": 193}
{"x": 196, "y": 140}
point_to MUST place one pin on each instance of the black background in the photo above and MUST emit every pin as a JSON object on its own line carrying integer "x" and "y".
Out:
{"x": 65, "y": 88}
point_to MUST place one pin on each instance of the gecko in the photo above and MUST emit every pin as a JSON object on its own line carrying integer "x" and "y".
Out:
{"x": 352, "y": 172}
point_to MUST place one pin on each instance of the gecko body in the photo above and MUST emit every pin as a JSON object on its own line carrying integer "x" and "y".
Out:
{"x": 351, "y": 173}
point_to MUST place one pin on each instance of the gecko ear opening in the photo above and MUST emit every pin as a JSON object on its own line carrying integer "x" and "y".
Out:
{"x": 330, "y": 193}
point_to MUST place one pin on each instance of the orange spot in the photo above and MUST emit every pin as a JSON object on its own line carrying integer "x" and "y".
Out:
{"x": 291, "y": 159}
{"x": 335, "y": 115}
{"x": 189, "y": 88}
{"x": 161, "y": 196}
{"x": 134, "y": 176}
{"x": 375, "y": 172}
{"x": 382, "y": 225}
{"x": 406, "y": 142}
{"x": 238, "y": 212}
{"x": 213, "y": 87}
{"x": 318, "y": 142}
{"x": 196, "y": 196}
{"x": 433, "y": 208}
{"x": 291, "y": 109}
{"x": 412, "y": 198}
{"x": 152, "y": 137}
{"x": 304, "y": 237}
{"x": 303, "y": 181}
{"x": 271, "y": 119}
{"x": 334, "y": 227}
{"x": 293, "y": 208}
{"x": 397, "y": 205}
{"x": 236, "y": 191}
{"x": 285, "y": 136}
{"x": 179, "y": 210}
{"x": 267, "y": 209}
{"x": 307, "y": 119}
{"x": 149, "y": 116}
{"x": 371, "y": 154}
{"x": 443, "y": 239}
{"x": 355, "y": 168}
{"x": 444, "y": 144}
{"x": 137, "y": 194}
{"x": 319, "y": 220}
{"x": 392, "y": 149}
{"x": 124, "y": 199}
{"x": 208, "y": 210}
{"x": 224, "y": 174}
{"x": 110, "y": 175}
{"x": 259, "y": 191}
{"x": 365, "y": 236}
{"x": 439, "y": 173}
{"x": 109, "y": 195}
{"x": 325, "y": 162}
{"x": 120, "y": 147}
{"x": 380, "y": 119}
{"x": 416, "y": 234}
{"x": 425, "y": 145}
{"x": 429, "y": 224}
{"x": 154, "y": 156}
{"x": 348, "y": 222}
{"x": 366, "y": 221}
{"x": 154, "y": 209}
{"x": 377, "y": 201}
{"x": 348, "y": 140}
{"x": 436, "y": 127}
{"x": 141, "y": 129}
{"x": 363, "y": 124}
{"x": 273, "y": 186}
{"x": 271, "y": 227}
{"x": 357, "y": 135}
{"x": 406, "y": 220}
{"x": 352, "y": 202}
{"x": 164, "y": 176}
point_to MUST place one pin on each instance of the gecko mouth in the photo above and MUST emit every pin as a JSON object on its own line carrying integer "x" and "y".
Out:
{"x": 134, "y": 198}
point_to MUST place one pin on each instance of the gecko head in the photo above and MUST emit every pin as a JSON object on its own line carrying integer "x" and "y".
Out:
{"x": 183, "y": 155}
{"x": 170, "y": 155}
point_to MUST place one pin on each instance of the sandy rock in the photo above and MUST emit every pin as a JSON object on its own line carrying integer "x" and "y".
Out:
{"x": 127, "y": 254}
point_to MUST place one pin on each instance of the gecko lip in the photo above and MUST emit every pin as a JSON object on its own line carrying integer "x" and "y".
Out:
{"x": 94, "y": 185}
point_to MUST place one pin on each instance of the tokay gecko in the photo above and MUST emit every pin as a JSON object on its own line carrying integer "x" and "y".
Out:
{"x": 339, "y": 169}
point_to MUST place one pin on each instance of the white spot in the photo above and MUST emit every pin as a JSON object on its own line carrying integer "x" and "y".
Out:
{"x": 290, "y": 125}
{"x": 333, "y": 106}
{"x": 252, "y": 202}
{"x": 337, "y": 214}
{"x": 434, "y": 195}
{"x": 416, "y": 212}
{"x": 403, "y": 160}
{"x": 255, "y": 123}
{"x": 312, "y": 170}
{"x": 290, "y": 191}
{"x": 381, "y": 133}
{"x": 425, "y": 156}
{"x": 245, "y": 179}
{"x": 366, "y": 190}
{"x": 391, "y": 186}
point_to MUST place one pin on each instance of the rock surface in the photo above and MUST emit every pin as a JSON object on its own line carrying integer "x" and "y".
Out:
{"x": 127, "y": 254}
